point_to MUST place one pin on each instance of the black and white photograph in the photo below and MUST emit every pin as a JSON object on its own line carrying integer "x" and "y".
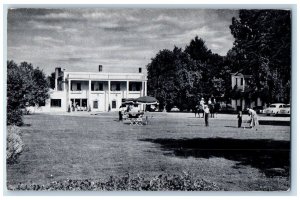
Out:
{"x": 148, "y": 99}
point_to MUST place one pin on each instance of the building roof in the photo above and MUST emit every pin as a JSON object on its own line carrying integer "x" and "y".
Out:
{"x": 239, "y": 73}
{"x": 105, "y": 76}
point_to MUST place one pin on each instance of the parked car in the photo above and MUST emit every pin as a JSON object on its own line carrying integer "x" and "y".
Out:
{"x": 274, "y": 108}
{"x": 174, "y": 109}
{"x": 286, "y": 110}
{"x": 258, "y": 109}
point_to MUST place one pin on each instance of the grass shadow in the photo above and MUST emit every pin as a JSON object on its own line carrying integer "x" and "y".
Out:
{"x": 269, "y": 156}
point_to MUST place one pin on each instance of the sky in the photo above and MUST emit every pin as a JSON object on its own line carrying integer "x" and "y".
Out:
{"x": 121, "y": 40}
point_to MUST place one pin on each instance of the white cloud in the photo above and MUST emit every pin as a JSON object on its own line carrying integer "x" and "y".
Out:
{"x": 83, "y": 38}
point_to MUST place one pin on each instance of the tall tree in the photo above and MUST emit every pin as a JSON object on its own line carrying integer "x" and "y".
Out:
{"x": 208, "y": 65}
{"x": 262, "y": 49}
{"x": 25, "y": 86}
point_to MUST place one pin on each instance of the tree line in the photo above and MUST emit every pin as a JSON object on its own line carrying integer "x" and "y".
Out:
{"x": 262, "y": 49}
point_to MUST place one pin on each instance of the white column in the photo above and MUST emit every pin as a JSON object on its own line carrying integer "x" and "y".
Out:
{"x": 55, "y": 84}
{"x": 69, "y": 93}
{"x": 142, "y": 91}
{"x": 127, "y": 88}
{"x": 145, "y": 88}
{"x": 89, "y": 106}
{"x": 108, "y": 96}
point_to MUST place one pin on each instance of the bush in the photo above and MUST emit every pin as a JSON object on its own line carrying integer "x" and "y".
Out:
{"x": 14, "y": 117}
{"x": 163, "y": 182}
{"x": 14, "y": 144}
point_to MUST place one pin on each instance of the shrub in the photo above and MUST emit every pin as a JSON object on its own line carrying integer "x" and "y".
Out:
{"x": 14, "y": 144}
{"x": 14, "y": 117}
{"x": 162, "y": 182}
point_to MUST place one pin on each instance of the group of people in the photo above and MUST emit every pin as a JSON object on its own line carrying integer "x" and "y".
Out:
{"x": 253, "y": 118}
{"x": 212, "y": 107}
{"x": 206, "y": 109}
{"x": 130, "y": 109}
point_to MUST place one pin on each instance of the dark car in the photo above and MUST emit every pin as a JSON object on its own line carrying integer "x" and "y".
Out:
{"x": 258, "y": 109}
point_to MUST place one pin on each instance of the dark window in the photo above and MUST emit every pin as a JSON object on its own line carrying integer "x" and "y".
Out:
{"x": 78, "y": 86}
{"x": 236, "y": 81}
{"x": 138, "y": 86}
{"x": 135, "y": 86}
{"x": 113, "y": 104}
{"x": 140, "y": 70}
{"x": 118, "y": 87}
{"x": 92, "y": 87}
{"x": 101, "y": 86}
{"x": 55, "y": 102}
{"x": 100, "y": 68}
{"x": 95, "y": 104}
{"x": 130, "y": 86}
{"x": 242, "y": 81}
{"x": 43, "y": 103}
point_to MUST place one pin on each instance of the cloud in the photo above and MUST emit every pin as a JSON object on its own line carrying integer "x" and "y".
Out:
{"x": 120, "y": 39}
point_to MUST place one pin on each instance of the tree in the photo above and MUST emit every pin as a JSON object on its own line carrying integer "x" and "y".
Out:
{"x": 26, "y": 86}
{"x": 172, "y": 76}
{"x": 262, "y": 49}
{"x": 209, "y": 66}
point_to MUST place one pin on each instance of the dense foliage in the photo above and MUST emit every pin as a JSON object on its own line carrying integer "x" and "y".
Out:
{"x": 182, "y": 78}
{"x": 26, "y": 86}
{"x": 14, "y": 144}
{"x": 163, "y": 182}
{"x": 262, "y": 49}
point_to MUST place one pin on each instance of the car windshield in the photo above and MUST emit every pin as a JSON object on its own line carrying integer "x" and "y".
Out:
{"x": 272, "y": 106}
{"x": 286, "y": 106}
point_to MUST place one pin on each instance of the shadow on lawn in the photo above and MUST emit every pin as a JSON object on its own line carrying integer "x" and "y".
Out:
{"x": 269, "y": 156}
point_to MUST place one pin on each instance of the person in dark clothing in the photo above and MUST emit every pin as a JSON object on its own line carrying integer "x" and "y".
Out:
{"x": 206, "y": 114}
{"x": 240, "y": 119}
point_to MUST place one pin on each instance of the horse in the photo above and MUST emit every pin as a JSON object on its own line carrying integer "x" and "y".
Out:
{"x": 197, "y": 110}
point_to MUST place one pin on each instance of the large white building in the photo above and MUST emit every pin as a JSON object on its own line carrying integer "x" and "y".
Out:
{"x": 93, "y": 91}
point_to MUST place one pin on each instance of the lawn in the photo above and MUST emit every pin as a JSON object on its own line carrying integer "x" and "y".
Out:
{"x": 60, "y": 147}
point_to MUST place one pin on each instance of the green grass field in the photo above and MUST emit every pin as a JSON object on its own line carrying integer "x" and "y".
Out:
{"x": 60, "y": 147}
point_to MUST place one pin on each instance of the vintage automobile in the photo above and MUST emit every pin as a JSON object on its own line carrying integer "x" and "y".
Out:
{"x": 274, "y": 109}
{"x": 286, "y": 110}
{"x": 258, "y": 109}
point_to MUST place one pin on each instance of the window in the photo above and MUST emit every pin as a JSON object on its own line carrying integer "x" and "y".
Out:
{"x": 118, "y": 87}
{"x": 113, "y": 104}
{"x": 97, "y": 86}
{"x": 78, "y": 86}
{"x": 236, "y": 81}
{"x": 140, "y": 70}
{"x": 55, "y": 102}
{"x": 242, "y": 81}
{"x": 100, "y": 68}
{"x": 95, "y": 104}
{"x": 43, "y": 103}
{"x": 101, "y": 86}
{"x": 135, "y": 86}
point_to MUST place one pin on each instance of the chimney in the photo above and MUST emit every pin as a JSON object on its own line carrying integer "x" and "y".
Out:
{"x": 57, "y": 74}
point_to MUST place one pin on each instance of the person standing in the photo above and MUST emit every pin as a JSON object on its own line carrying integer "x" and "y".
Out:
{"x": 202, "y": 106}
{"x": 240, "y": 118}
{"x": 206, "y": 114}
{"x": 121, "y": 113}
